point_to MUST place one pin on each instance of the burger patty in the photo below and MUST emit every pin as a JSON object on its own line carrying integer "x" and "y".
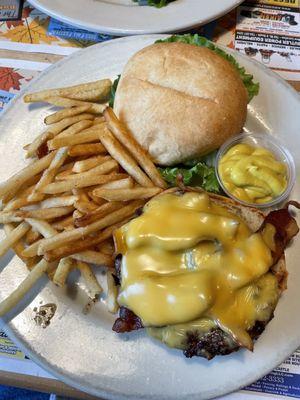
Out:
{"x": 217, "y": 342}
{"x": 196, "y": 343}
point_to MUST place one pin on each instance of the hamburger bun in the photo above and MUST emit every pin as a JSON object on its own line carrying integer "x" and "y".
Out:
{"x": 180, "y": 101}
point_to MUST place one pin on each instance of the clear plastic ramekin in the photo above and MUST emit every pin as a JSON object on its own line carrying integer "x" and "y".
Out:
{"x": 270, "y": 143}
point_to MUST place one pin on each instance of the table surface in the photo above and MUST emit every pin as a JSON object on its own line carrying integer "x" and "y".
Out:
{"x": 25, "y": 381}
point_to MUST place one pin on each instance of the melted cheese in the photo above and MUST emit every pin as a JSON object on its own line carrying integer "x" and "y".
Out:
{"x": 186, "y": 258}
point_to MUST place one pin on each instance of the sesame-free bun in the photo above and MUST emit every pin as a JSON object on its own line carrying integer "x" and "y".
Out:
{"x": 180, "y": 101}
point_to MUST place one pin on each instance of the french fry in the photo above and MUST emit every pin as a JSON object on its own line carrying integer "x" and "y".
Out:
{"x": 13, "y": 237}
{"x": 63, "y": 186}
{"x": 126, "y": 194}
{"x": 95, "y": 199}
{"x": 52, "y": 131}
{"x": 77, "y": 214}
{"x": 81, "y": 194}
{"x": 40, "y": 140}
{"x": 19, "y": 247}
{"x": 58, "y": 101}
{"x": 45, "y": 213}
{"x": 21, "y": 199}
{"x": 91, "y": 95}
{"x": 65, "y": 237}
{"x": 126, "y": 183}
{"x": 98, "y": 213}
{"x": 29, "y": 183}
{"x": 65, "y": 113}
{"x": 75, "y": 128}
{"x": 65, "y": 223}
{"x": 83, "y": 244}
{"x": 62, "y": 176}
{"x": 44, "y": 228}
{"x": 106, "y": 247}
{"x": 93, "y": 286}
{"x": 62, "y": 201}
{"x": 95, "y": 91}
{"x": 135, "y": 149}
{"x": 48, "y": 175}
{"x": 31, "y": 237}
{"x": 93, "y": 257}
{"x": 32, "y": 250}
{"x": 112, "y": 294}
{"x": 67, "y": 166}
{"x": 85, "y": 206}
{"x": 17, "y": 203}
{"x": 85, "y": 165}
{"x": 88, "y": 135}
{"x": 89, "y": 149}
{"x": 116, "y": 150}
{"x": 8, "y": 217}
{"x": 9, "y": 188}
{"x": 102, "y": 169}
{"x": 98, "y": 120}
{"x": 63, "y": 269}
{"x": 15, "y": 297}
{"x": 41, "y": 226}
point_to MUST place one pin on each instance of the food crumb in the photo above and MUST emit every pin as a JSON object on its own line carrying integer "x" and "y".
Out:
{"x": 87, "y": 308}
{"x": 44, "y": 314}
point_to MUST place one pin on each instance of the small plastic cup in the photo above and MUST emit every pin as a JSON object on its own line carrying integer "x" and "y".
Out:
{"x": 270, "y": 143}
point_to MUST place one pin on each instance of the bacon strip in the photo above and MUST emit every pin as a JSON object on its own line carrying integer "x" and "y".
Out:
{"x": 127, "y": 321}
{"x": 285, "y": 226}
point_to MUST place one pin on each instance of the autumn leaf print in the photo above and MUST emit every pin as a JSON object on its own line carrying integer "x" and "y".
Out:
{"x": 9, "y": 79}
{"x": 35, "y": 32}
{"x": 25, "y": 14}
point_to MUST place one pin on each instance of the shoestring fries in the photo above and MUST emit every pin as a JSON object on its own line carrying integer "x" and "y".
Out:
{"x": 87, "y": 176}
{"x": 92, "y": 91}
{"x": 135, "y": 149}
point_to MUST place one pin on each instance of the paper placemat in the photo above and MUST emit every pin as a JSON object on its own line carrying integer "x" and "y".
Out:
{"x": 266, "y": 30}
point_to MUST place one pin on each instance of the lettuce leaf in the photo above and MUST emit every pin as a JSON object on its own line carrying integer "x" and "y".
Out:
{"x": 155, "y": 3}
{"x": 198, "y": 175}
{"x": 251, "y": 86}
{"x": 113, "y": 91}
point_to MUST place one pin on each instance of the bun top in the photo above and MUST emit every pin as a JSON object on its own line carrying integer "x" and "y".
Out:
{"x": 180, "y": 101}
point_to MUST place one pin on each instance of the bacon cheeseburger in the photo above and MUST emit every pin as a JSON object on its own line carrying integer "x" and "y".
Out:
{"x": 200, "y": 272}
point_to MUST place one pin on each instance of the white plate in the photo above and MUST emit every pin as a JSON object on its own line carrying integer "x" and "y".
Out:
{"x": 123, "y": 17}
{"x": 82, "y": 350}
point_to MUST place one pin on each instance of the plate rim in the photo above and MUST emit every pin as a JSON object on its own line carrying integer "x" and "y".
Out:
{"x": 179, "y": 27}
{"x": 13, "y": 333}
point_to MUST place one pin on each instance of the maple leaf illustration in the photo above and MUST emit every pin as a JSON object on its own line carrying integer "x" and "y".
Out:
{"x": 25, "y": 14}
{"x": 35, "y": 32}
{"x": 9, "y": 79}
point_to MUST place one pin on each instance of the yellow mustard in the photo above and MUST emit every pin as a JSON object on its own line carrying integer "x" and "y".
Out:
{"x": 252, "y": 174}
{"x": 187, "y": 258}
